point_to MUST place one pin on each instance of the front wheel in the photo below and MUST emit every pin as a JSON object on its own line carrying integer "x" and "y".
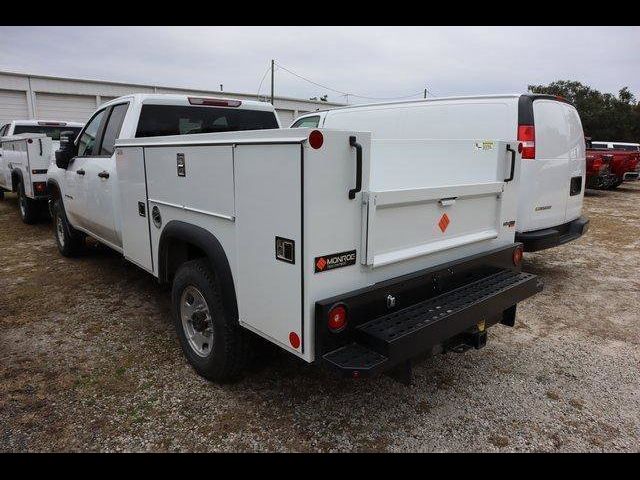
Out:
{"x": 28, "y": 208}
{"x": 211, "y": 339}
{"x": 68, "y": 239}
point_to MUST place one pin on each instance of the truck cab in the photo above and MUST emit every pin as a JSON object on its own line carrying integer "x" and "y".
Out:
{"x": 86, "y": 183}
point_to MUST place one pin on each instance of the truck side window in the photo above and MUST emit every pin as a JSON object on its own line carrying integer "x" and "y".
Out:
{"x": 307, "y": 122}
{"x": 112, "y": 130}
{"x": 87, "y": 143}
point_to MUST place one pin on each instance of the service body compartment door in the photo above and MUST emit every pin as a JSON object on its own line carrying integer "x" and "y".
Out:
{"x": 268, "y": 205}
{"x": 429, "y": 196}
{"x": 130, "y": 167}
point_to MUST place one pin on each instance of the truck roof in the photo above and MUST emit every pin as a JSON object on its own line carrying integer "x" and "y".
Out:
{"x": 189, "y": 100}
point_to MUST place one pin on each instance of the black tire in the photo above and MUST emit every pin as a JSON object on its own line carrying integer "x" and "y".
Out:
{"x": 228, "y": 352}
{"x": 68, "y": 239}
{"x": 29, "y": 209}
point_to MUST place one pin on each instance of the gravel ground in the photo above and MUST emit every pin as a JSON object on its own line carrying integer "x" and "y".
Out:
{"x": 89, "y": 361}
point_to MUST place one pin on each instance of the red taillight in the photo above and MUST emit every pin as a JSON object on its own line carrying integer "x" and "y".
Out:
{"x": 337, "y": 320}
{"x": 316, "y": 139}
{"x": 517, "y": 255}
{"x": 39, "y": 187}
{"x": 527, "y": 135}
{"x": 214, "y": 102}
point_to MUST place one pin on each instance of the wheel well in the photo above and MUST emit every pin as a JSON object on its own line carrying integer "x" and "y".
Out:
{"x": 15, "y": 179}
{"x": 54, "y": 191}
{"x": 177, "y": 252}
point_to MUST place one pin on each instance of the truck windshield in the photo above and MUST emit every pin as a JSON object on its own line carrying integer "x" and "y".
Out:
{"x": 51, "y": 132}
{"x": 159, "y": 120}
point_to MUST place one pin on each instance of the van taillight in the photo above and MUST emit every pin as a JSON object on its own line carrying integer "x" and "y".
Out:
{"x": 527, "y": 135}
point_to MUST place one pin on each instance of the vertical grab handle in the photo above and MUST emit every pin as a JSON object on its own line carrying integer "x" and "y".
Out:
{"x": 513, "y": 163}
{"x": 354, "y": 143}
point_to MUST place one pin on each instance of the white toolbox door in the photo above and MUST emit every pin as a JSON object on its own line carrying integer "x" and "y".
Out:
{"x": 268, "y": 205}
{"x": 134, "y": 206}
{"x": 428, "y": 196}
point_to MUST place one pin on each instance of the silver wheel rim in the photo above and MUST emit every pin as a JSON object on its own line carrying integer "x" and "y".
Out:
{"x": 197, "y": 323}
{"x": 60, "y": 230}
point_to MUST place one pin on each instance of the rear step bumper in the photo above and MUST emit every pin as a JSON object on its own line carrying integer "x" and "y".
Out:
{"x": 454, "y": 320}
{"x": 552, "y": 237}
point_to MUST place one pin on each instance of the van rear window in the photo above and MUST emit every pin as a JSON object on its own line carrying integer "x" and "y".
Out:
{"x": 160, "y": 120}
{"x": 51, "y": 132}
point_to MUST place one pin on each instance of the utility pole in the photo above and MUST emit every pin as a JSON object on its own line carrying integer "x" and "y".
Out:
{"x": 272, "y": 72}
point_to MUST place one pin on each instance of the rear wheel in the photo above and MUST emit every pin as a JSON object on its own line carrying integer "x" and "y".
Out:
{"x": 68, "y": 239}
{"x": 210, "y": 336}
{"x": 28, "y": 208}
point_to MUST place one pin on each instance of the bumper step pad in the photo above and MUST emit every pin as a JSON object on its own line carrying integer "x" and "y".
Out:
{"x": 398, "y": 336}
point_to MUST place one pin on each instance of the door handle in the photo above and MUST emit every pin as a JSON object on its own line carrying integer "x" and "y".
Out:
{"x": 513, "y": 163}
{"x": 80, "y": 172}
{"x": 353, "y": 191}
{"x": 104, "y": 174}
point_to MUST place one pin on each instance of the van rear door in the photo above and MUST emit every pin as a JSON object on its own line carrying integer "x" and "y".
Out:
{"x": 553, "y": 181}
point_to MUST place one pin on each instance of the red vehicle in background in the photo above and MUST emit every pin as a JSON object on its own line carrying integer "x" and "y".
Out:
{"x": 623, "y": 159}
{"x": 599, "y": 174}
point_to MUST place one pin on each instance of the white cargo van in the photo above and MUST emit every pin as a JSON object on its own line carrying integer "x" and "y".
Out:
{"x": 553, "y": 166}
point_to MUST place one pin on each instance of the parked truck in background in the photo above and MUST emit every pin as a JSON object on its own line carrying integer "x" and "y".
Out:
{"x": 553, "y": 167}
{"x": 624, "y": 160}
{"x": 24, "y": 160}
{"x": 352, "y": 259}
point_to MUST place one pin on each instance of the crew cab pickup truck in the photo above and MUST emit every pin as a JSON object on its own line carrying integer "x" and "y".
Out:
{"x": 624, "y": 159}
{"x": 599, "y": 174}
{"x": 24, "y": 160}
{"x": 553, "y": 170}
{"x": 355, "y": 256}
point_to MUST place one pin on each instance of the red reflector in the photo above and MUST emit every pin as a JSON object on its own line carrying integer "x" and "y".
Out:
{"x": 337, "y": 318}
{"x": 214, "y": 102}
{"x": 316, "y": 139}
{"x": 294, "y": 340}
{"x": 517, "y": 255}
{"x": 527, "y": 135}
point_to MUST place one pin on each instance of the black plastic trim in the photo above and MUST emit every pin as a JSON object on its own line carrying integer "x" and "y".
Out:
{"x": 207, "y": 242}
{"x": 552, "y": 237}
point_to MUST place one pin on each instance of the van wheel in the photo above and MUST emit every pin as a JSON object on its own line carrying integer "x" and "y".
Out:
{"x": 211, "y": 339}
{"x": 28, "y": 208}
{"x": 68, "y": 239}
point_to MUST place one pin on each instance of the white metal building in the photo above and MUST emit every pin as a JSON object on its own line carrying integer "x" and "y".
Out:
{"x": 24, "y": 96}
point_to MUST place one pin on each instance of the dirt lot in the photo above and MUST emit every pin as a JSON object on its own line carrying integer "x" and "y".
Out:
{"x": 89, "y": 361}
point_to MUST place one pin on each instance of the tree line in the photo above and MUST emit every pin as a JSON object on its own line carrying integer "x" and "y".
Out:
{"x": 604, "y": 116}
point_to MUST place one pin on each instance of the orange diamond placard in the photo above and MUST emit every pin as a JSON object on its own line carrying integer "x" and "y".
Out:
{"x": 444, "y": 222}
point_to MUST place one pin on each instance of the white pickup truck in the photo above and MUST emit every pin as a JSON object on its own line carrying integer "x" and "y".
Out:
{"x": 355, "y": 256}
{"x": 27, "y": 147}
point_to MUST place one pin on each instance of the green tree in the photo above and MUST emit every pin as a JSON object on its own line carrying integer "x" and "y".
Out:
{"x": 604, "y": 116}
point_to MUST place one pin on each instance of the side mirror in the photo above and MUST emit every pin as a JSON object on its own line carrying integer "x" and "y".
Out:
{"x": 67, "y": 149}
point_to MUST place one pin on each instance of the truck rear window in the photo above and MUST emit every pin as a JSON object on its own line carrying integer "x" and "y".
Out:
{"x": 159, "y": 120}
{"x": 51, "y": 132}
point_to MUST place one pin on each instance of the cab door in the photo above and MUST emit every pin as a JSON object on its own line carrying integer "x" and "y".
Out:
{"x": 76, "y": 185}
{"x": 102, "y": 181}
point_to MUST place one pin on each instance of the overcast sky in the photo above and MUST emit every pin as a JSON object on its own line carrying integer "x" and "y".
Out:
{"x": 377, "y": 62}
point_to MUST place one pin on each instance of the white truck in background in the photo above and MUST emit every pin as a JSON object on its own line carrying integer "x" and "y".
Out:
{"x": 553, "y": 168}
{"x": 304, "y": 237}
{"x": 27, "y": 147}
{"x": 24, "y": 160}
